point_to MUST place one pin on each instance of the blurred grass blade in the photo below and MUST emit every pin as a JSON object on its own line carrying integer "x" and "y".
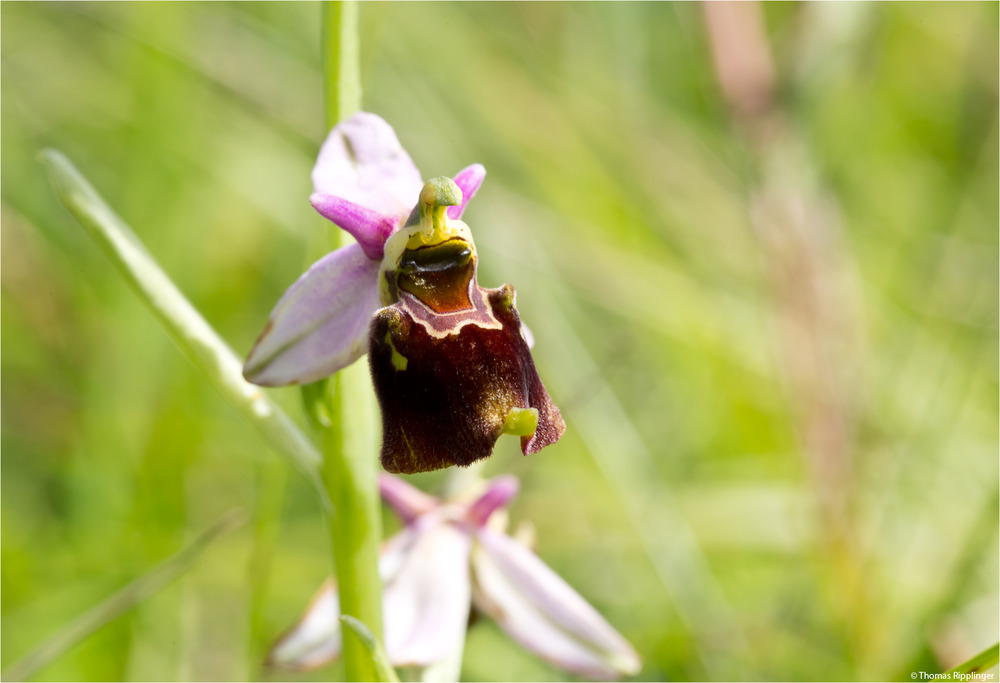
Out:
{"x": 383, "y": 669}
{"x": 196, "y": 338}
{"x": 986, "y": 659}
{"x": 122, "y": 601}
{"x": 624, "y": 459}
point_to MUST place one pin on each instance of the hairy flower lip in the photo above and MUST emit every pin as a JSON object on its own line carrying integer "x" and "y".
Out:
{"x": 446, "y": 384}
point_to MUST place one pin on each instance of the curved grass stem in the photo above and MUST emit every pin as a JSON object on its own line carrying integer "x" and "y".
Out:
{"x": 185, "y": 325}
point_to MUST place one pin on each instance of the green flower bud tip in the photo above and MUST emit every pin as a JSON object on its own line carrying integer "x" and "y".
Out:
{"x": 521, "y": 422}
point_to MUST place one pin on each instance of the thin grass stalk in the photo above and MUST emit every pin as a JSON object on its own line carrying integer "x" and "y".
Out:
{"x": 128, "y": 597}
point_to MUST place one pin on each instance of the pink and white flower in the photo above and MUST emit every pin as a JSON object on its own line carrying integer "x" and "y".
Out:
{"x": 447, "y": 559}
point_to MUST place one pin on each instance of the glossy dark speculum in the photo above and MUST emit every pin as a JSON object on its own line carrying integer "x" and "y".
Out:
{"x": 438, "y": 275}
{"x": 449, "y": 363}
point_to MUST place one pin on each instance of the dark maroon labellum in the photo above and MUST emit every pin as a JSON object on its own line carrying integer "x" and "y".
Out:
{"x": 449, "y": 363}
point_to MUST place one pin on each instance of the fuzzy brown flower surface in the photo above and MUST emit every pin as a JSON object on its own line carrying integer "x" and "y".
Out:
{"x": 450, "y": 360}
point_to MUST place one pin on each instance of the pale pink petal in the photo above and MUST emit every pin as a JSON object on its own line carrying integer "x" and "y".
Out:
{"x": 468, "y": 180}
{"x": 315, "y": 639}
{"x": 370, "y": 228}
{"x": 427, "y": 604}
{"x": 320, "y": 325}
{"x": 407, "y": 501}
{"x": 499, "y": 492}
{"x": 363, "y": 162}
{"x": 543, "y": 613}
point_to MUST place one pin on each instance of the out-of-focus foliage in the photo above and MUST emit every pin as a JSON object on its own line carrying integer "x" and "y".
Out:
{"x": 714, "y": 367}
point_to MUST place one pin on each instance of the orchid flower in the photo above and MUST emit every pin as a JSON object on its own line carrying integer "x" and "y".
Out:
{"x": 450, "y": 359}
{"x": 447, "y": 557}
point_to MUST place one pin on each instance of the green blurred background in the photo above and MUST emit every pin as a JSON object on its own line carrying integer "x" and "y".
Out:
{"x": 773, "y": 336}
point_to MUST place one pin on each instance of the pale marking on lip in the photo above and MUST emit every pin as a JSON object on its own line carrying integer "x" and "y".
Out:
{"x": 483, "y": 312}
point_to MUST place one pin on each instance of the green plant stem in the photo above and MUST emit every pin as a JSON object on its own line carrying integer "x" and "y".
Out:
{"x": 348, "y": 423}
{"x": 350, "y": 476}
{"x": 122, "y": 601}
{"x": 189, "y": 330}
{"x": 986, "y": 659}
{"x": 341, "y": 61}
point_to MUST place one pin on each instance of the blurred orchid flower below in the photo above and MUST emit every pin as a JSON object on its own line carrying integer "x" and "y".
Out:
{"x": 447, "y": 558}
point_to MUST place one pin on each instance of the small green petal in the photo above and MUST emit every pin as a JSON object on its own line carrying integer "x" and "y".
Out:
{"x": 521, "y": 421}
